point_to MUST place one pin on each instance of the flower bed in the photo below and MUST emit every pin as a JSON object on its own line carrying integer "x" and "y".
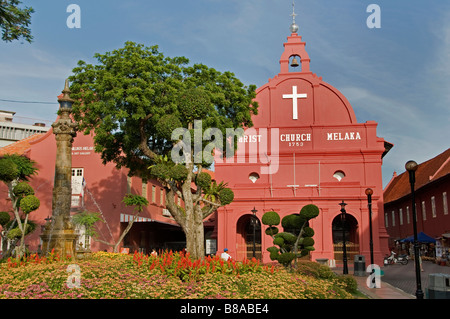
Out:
{"x": 171, "y": 276}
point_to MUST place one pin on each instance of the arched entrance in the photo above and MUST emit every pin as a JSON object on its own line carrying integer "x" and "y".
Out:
{"x": 248, "y": 238}
{"x": 349, "y": 230}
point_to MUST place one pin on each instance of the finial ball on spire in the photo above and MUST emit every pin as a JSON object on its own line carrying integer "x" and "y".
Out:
{"x": 293, "y": 28}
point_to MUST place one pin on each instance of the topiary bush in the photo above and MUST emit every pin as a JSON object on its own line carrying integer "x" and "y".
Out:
{"x": 271, "y": 218}
{"x": 8, "y": 170}
{"x": 178, "y": 172}
{"x": 203, "y": 180}
{"x": 4, "y": 218}
{"x": 296, "y": 239}
{"x": 226, "y": 196}
{"x": 29, "y": 203}
{"x": 23, "y": 189}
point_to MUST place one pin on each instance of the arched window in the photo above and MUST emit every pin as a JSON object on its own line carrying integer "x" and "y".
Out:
{"x": 339, "y": 175}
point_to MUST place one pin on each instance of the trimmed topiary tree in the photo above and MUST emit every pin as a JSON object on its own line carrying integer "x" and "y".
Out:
{"x": 295, "y": 240}
{"x": 15, "y": 170}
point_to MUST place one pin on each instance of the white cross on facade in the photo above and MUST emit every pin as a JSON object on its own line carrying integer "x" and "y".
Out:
{"x": 294, "y": 96}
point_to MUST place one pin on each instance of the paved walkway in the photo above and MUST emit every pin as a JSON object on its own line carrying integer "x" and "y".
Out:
{"x": 398, "y": 281}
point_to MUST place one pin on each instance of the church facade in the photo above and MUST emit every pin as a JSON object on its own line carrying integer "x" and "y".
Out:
{"x": 306, "y": 147}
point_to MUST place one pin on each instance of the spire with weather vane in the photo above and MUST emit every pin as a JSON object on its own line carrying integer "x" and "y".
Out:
{"x": 294, "y": 26}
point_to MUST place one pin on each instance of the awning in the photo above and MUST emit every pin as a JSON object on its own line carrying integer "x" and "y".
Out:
{"x": 446, "y": 235}
{"x": 421, "y": 238}
{"x": 125, "y": 218}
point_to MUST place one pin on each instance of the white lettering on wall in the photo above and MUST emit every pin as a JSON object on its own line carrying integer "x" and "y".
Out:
{"x": 341, "y": 136}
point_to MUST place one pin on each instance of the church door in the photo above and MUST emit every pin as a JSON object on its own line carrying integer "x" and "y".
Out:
{"x": 248, "y": 238}
{"x": 347, "y": 229}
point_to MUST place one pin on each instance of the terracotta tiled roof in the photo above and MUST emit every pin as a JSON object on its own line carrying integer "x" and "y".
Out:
{"x": 20, "y": 147}
{"x": 426, "y": 172}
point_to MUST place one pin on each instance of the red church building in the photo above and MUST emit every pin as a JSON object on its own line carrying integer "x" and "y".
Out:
{"x": 306, "y": 147}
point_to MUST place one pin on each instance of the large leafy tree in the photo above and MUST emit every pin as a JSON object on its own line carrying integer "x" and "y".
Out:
{"x": 15, "y": 21}
{"x": 134, "y": 100}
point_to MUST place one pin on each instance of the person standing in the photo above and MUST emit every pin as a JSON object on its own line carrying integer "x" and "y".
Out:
{"x": 225, "y": 256}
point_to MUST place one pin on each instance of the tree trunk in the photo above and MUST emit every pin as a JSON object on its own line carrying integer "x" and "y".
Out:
{"x": 194, "y": 232}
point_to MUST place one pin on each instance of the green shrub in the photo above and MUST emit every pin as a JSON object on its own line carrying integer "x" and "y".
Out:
{"x": 308, "y": 232}
{"x": 271, "y": 218}
{"x": 179, "y": 172}
{"x": 4, "y": 218}
{"x": 29, "y": 203}
{"x": 348, "y": 282}
{"x": 166, "y": 124}
{"x": 203, "y": 180}
{"x": 226, "y": 196}
{"x": 23, "y": 189}
{"x": 160, "y": 171}
{"x": 272, "y": 231}
{"x": 8, "y": 170}
{"x": 310, "y": 211}
{"x": 292, "y": 221}
{"x": 286, "y": 258}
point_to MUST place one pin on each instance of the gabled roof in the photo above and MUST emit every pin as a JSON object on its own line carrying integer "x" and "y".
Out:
{"x": 20, "y": 147}
{"x": 427, "y": 172}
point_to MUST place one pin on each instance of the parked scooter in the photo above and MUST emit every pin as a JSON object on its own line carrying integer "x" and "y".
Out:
{"x": 392, "y": 259}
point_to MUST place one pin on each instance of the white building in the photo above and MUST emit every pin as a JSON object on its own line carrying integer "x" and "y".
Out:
{"x": 11, "y": 132}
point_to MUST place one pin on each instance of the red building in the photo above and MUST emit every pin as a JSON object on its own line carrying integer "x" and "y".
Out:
{"x": 432, "y": 187}
{"x": 306, "y": 147}
{"x": 97, "y": 188}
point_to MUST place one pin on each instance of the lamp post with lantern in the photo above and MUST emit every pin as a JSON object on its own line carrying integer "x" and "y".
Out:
{"x": 411, "y": 167}
{"x": 254, "y": 221}
{"x": 344, "y": 248}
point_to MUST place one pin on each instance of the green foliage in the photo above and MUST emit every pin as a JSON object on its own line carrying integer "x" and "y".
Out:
{"x": 226, "y": 196}
{"x": 166, "y": 125}
{"x": 178, "y": 172}
{"x": 87, "y": 219}
{"x": 29, "y": 203}
{"x": 4, "y": 218}
{"x": 194, "y": 104}
{"x": 272, "y": 231}
{"x": 271, "y": 218}
{"x": 135, "y": 200}
{"x": 348, "y": 282}
{"x": 308, "y": 232}
{"x": 135, "y": 93}
{"x": 310, "y": 211}
{"x": 23, "y": 189}
{"x": 203, "y": 180}
{"x": 292, "y": 221}
{"x": 134, "y": 97}
{"x": 16, "y": 167}
{"x": 15, "y": 232}
{"x": 286, "y": 258}
{"x": 296, "y": 240}
{"x": 14, "y": 21}
{"x": 8, "y": 170}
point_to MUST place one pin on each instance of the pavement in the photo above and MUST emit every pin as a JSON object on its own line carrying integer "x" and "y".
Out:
{"x": 398, "y": 281}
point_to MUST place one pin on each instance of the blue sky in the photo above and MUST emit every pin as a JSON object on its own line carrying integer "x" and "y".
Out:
{"x": 396, "y": 75}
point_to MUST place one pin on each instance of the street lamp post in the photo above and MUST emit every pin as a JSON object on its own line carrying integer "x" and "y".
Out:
{"x": 369, "y": 193}
{"x": 411, "y": 167}
{"x": 344, "y": 248}
{"x": 254, "y": 211}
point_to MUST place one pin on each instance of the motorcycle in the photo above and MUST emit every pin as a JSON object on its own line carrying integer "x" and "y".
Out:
{"x": 392, "y": 259}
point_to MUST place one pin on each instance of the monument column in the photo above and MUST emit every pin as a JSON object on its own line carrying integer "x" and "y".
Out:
{"x": 59, "y": 234}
